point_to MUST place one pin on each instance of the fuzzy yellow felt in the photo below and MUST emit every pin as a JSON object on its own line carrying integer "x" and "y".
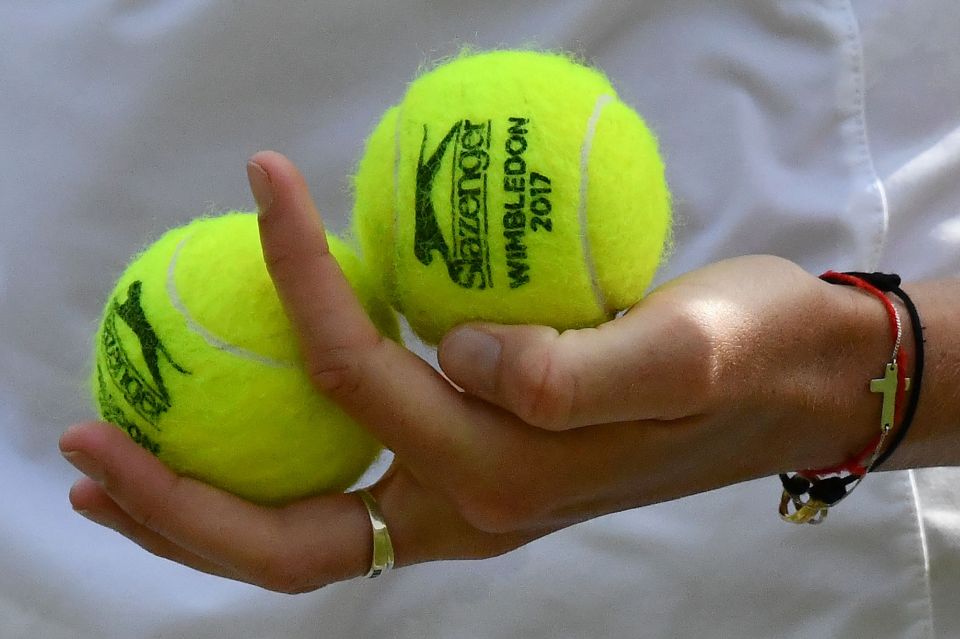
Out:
{"x": 511, "y": 186}
{"x": 196, "y": 361}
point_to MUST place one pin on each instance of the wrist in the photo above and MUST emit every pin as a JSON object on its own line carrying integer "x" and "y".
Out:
{"x": 884, "y": 398}
{"x": 856, "y": 346}
{"x": 808, "y": 494}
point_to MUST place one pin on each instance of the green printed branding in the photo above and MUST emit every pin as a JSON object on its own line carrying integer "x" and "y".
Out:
{"x": 525, "y": 201}
{"x": 143, "y": 392}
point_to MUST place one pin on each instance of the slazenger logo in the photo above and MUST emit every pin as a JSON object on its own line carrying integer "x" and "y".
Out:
{"x": 467, "y": 256}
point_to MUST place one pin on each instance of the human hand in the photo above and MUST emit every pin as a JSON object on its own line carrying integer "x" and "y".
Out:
{"x": 739, "y": 370}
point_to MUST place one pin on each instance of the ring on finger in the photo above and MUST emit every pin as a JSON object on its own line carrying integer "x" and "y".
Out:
{"x": 382, "y": 559}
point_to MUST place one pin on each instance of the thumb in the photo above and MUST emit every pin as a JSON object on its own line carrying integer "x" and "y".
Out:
{"x": 631, "y": 368}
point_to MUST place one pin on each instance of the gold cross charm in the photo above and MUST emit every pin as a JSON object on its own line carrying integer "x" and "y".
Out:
{"x": 888, "y": 386}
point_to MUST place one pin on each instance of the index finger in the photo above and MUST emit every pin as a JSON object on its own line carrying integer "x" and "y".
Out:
{"x": 406, "y": 404}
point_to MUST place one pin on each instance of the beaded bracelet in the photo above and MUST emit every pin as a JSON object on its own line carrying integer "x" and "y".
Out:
{"x": 811, "y": 493}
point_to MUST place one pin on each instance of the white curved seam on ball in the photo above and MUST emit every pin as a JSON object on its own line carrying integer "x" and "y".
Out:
{"x": 197, "y": 328}
{"x": 598, "y": 295}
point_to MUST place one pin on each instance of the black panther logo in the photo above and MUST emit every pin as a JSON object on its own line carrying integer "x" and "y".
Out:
{"x": 147, "y": 394}
{"x": 467, "y": 256}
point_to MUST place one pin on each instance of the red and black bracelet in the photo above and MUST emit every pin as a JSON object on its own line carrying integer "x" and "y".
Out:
{"x": 891, "y": 283}
{"x": 811, "y": 493}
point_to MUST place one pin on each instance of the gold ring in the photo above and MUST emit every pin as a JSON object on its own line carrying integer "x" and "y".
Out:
{"x": 382, "y": 559}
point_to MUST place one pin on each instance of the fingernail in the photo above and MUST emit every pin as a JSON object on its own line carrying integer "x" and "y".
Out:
{"x": 261, "y": 186}
{"x": 85, "y": 464}
{"x": 474, "y": 355}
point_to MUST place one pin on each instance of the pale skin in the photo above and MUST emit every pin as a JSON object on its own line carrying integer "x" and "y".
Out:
{"x": 739, "y": 370}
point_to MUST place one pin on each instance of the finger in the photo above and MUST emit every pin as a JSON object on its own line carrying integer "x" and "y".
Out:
{"x": 627, "y": 369}
{"x": 296, "y": 252}
{"x": 91, "y": 500}
{"x": 315, "y": 541}
{"x": 263, "y": 545}
{"x": 405, "y": 403}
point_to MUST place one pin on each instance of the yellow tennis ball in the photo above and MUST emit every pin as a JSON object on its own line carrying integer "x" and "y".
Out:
{"x": 511, "y": 186}
{"x": 197, "y": 362}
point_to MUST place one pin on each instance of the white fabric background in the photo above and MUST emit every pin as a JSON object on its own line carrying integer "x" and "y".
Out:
{"x": 825, "y": 131}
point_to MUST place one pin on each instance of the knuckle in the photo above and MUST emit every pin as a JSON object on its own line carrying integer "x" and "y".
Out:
{"x": 284, "y": 572}
{"x": 543, "y": 391}
{"x": 334, "y": 374}
{"x": 708, "y": 360}
{"x": 279, "y": 261}
{"x": 341, "y": 372}
{"x": 496, "y": 509}
{"x": 152, "y": 513}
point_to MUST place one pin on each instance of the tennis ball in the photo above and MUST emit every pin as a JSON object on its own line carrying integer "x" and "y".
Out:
{"x": 515, "y": 187}
{"x": 197, "y": 362}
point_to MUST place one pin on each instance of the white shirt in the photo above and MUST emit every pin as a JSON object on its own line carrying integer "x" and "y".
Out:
{"x": 827, "y": 132}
